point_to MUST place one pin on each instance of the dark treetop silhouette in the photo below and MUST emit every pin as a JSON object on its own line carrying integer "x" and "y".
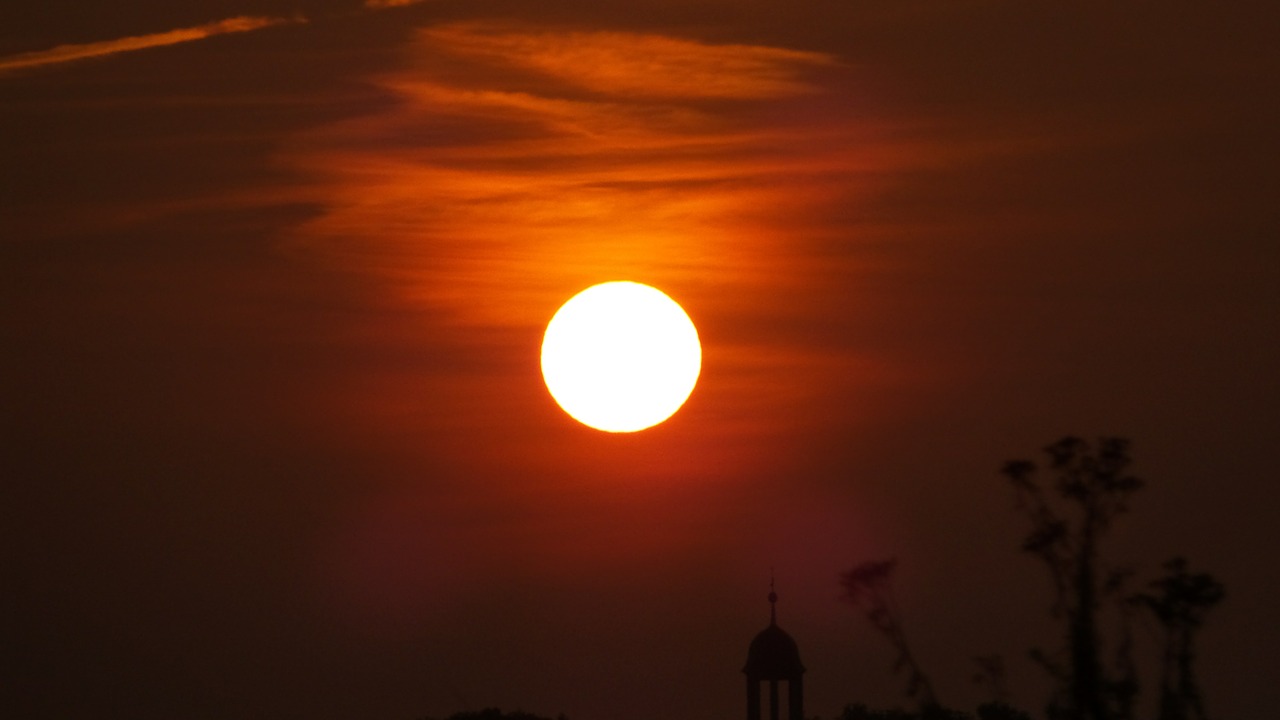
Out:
{"x": 1089, "y": 487}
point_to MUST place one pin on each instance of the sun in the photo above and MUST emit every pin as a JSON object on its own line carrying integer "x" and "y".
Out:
{"x": 621, "y": 356}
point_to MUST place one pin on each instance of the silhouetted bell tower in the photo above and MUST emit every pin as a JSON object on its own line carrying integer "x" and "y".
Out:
{"x": 773, "y": 658}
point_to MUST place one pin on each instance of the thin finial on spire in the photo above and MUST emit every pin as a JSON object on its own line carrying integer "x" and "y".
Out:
{"x": 773, "y": 601}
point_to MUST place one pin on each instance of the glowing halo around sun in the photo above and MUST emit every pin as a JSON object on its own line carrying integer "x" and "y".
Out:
{"x": 621, "y": 356}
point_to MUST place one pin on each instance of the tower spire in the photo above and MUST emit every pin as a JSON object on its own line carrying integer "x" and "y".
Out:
{"x": 773, "y": 601}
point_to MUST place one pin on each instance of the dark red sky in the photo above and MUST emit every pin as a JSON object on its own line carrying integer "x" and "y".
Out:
{"x": 273, "y": 289}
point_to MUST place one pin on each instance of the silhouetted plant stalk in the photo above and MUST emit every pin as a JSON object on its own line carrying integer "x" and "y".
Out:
{"x": 1092, "y": 485}
{"x": 990, "y": 674}
{"x": 869, "y": 588}
{"x": 1179, "y": 601}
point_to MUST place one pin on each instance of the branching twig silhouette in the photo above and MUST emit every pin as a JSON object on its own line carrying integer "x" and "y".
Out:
{"x": 869, "y": 588}
{"x": 1179, "y": 601}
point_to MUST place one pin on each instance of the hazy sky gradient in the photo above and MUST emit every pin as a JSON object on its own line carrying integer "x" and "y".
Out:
{"x": 277, "y": 443}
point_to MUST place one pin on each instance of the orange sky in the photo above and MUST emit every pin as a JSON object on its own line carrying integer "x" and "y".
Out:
{"x": 273, "y": 300}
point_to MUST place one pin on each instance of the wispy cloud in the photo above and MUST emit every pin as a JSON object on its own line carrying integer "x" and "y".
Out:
{"x": 379, "y": 4}
{"x": 83, "y": 51}
{"x": 567, "y": 155}
{"x": 617, "y": 63}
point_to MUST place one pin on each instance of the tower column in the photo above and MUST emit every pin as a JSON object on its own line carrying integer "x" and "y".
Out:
{"x": 795, "y": 698}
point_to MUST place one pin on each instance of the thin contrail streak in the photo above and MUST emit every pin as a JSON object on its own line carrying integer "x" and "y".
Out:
{"x": 70, "y": 53}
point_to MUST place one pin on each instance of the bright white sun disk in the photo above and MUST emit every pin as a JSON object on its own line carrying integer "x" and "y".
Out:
{"x": 621, "y": 356}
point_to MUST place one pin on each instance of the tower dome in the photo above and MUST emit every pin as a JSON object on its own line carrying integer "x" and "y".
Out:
{"x": 773, "y": 655}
